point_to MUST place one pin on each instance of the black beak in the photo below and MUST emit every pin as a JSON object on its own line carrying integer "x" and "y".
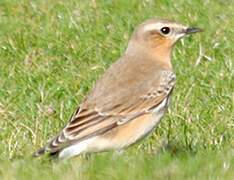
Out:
{"x": 193, "y": 30}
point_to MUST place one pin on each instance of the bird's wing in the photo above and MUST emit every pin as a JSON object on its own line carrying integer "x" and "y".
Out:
{"x": 88, "y": 122}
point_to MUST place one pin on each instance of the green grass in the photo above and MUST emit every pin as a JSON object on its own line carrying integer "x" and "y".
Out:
{"x": 51, "y": 54}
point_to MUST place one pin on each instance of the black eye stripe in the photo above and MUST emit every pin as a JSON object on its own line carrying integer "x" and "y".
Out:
{"x": 165, "y": 30}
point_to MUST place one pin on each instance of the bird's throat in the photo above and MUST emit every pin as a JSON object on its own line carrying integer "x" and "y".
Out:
{"x": 162, "y": 55}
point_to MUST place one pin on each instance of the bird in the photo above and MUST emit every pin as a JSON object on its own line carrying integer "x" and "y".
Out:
{"x": 130, "y": 98}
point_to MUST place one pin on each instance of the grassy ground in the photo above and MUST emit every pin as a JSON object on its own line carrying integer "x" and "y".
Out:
{"x": 52, "y": 52}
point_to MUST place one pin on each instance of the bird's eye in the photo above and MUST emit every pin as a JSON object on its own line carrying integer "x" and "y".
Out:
{"x": 165, "y": 30}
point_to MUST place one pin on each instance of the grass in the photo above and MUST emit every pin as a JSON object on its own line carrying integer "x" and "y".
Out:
{"x": 51, "y": 54}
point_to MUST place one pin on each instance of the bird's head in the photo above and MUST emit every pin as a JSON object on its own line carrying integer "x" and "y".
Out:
{"x": 159, "y": 35}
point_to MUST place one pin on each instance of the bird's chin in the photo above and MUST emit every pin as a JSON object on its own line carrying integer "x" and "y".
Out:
{"x": 178, "y": 37}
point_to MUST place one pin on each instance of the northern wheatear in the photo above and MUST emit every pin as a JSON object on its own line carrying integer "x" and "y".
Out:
{"x": 130, "y": 98}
